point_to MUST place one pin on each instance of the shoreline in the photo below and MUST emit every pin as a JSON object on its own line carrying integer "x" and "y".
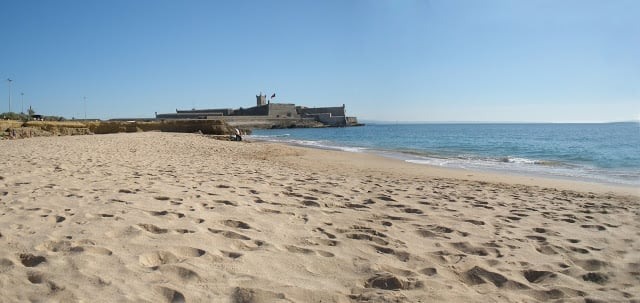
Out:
{"x": 548, "y": 151}
{"x": 488, "y": 175}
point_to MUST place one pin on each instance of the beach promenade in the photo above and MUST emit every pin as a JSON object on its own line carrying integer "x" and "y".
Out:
{"x": 173, "y": 217}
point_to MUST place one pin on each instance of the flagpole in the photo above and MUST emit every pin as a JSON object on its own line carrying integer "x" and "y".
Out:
{"x": 9, "y": 81}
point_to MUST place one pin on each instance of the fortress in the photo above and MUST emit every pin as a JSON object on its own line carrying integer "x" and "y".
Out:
{"x": 270, "y": 115}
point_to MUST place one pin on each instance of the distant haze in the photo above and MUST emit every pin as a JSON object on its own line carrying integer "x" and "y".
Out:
{"x": 533, "y": 61}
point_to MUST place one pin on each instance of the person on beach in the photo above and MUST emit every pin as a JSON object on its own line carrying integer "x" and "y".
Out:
{"x": 238, "y": 136}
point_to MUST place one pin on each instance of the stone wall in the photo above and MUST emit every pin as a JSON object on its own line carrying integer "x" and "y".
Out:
{"x": 331, "y": 120}
{"x": 280, "y": 110}
{"x": 266, "y": 123}
{"x": 334, "y": 111}
{"x": 252, "y": 111}
{"x": 223, "y": 111}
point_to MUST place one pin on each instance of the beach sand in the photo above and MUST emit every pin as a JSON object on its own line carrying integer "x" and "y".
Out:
{"x": 165, "y": 217}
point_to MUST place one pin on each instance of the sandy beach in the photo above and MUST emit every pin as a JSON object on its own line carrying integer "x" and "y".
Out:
{"x": 169, "y": 217}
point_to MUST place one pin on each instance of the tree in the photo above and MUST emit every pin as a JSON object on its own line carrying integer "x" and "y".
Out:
{"x": 31, "y": 111}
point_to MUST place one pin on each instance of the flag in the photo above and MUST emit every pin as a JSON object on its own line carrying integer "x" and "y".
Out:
{"x": 273, "y": 96}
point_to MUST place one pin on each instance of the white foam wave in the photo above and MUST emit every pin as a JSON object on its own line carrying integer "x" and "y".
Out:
{"x": 267, "y": 137}
{"x": 308, "y": 143}
{"x": 534, "y": 167}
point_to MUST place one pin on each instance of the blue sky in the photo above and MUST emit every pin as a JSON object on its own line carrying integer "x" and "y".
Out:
{"x": 536, "y": 61}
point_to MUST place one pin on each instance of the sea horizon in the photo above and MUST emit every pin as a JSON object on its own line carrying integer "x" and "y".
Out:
{"x": 367, "y": 121}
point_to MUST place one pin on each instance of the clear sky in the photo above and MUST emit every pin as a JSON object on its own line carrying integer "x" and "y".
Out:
{"x": 396, "y": 60}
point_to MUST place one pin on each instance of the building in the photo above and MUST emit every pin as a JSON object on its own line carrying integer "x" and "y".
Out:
{"x": 267, "y": 115}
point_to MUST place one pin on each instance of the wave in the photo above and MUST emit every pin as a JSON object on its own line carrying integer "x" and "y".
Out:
{"x": 510, "y": 164}
{"x": 271, "y": 136}
{"x": 308, "y": 143}
{"x": 536, "y": 167}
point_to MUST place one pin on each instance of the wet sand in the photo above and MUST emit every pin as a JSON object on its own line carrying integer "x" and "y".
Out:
{"x": 159, "y": 217}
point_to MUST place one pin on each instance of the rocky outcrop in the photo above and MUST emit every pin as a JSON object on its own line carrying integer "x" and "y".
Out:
{"x": 58, "y": 128}
{"x": 17, "y": 129}
{"x": 28, "y": 132}
{"x": 208, "y": 127}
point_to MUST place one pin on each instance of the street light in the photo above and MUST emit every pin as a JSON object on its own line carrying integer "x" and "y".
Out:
{"x": 9, "y": 82}
{"x": 85, "y": 107}
{"x": 22, "y": 103}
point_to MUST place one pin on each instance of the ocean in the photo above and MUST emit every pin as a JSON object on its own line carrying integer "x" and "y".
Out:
{"x": 603, "y": 153}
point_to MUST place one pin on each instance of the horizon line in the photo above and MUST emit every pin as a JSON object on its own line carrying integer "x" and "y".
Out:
{"x": 493, "y": 122}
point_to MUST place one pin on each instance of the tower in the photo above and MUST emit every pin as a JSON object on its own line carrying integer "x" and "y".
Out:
{"x": 261, "y": 99}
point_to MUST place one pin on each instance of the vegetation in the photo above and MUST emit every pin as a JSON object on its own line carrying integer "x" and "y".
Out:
{"x": 28, "y": 117}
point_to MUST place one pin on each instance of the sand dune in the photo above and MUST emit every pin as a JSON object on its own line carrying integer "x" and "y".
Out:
{"x": 158, "y": 217}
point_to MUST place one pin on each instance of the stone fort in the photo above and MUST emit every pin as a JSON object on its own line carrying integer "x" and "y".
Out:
{"x": 267, "y": 114}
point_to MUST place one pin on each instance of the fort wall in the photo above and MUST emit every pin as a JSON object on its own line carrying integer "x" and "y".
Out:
{"x": 222, "y": 111}
{"x": 274, "y": 114}
{"x": 252, "y": 111}
{"x": 283, "y": 110}
{"x": 334, "y": 111}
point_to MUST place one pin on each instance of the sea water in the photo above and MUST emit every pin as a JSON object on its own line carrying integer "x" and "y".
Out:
{"x": 604, "y": 153}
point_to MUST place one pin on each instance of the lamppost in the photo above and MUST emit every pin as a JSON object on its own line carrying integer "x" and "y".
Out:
{"x": 22, "y": 103}
{"x": 85, "y": 107}
{"x": 9, "y": 81}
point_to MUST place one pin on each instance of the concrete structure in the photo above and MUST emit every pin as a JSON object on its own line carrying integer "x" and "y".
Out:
{"x": 269, "y": 115}
{"x": 261, "y": 99}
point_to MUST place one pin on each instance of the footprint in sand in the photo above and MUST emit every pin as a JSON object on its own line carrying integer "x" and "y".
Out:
{"x": 538, "y": 276}
{"x": 188, "y": 252}
{"x": 180, "y": 272}
{"x": 305, "y": 251}
{"x": 185, "y": 231}
{"x": 325, "y": 253}
{"x": 92, "y": 250}
{"x": 474, "y": 222}
{"x": 592, "y": 264}
{"x": 388, "y": 281}
{"x": 596, "y": 277}
{"x": 57, "y": 219}
{"x": 432, "y": 231}
{"x": 594, "y": 227}
{"x": 401, "y": 255}
{"x": 153, "y": 229}
{"x": 231, "y": 254}
{"x": 229, "y": 234}
{"x": 236, "y": 224}
{"x": 367, "y": 237}
{"x": 310, "y": 203}
{"x": 157, "y": 258}
{"x": 299, "y": 250}
{"x": 5, "y": 265}
{"x": 226, "y": 202}
{"x": 35, "y": 277}
{"x": 478, "y": 275}
{"x": 171, "y": 295}
{"x": 467, "y": 248}
{"x": 30, "y": 260}
{"x": 429, "y": 271}
{"x": 254, "y": 295}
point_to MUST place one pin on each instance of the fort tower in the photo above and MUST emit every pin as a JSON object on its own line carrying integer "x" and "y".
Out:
{"x": 261, "y": 99}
